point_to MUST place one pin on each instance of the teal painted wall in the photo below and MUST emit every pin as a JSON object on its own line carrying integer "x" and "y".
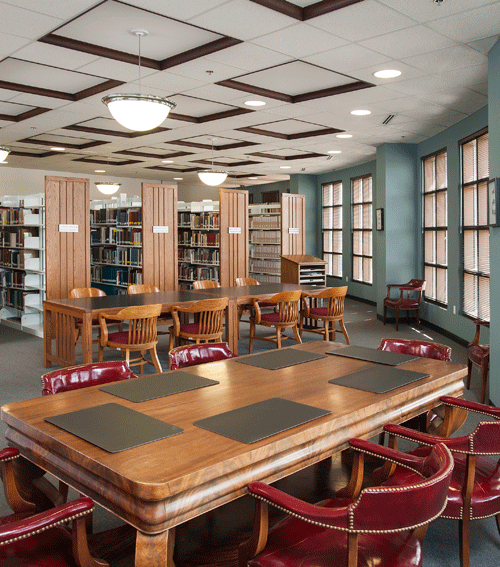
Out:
{"x": 257, "y": 190}
{"x": 494, "y": 149}
{"x": 307, "y": 185}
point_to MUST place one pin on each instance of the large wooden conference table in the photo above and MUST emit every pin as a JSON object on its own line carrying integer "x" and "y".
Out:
{"x": 157, "y": 486}
{"x": 61, "y": 315}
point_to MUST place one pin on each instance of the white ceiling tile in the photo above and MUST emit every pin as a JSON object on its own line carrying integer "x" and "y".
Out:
{"x": 295, "y": 40}
{"x": 248, "y": 57}
{"x": 470, "y": 25}
{"x": 49, "y": 54}
{"x": 10, "y": 44}
{"x": 214, "y": 92}
{"x": 178, "y": 8}
{"x": 170, "y": 82}
{"x": 425, "y": 11}
{"x": 117, "y": 70}
{"x": 242, "y": 19}
{"x": 437, "y": 62}
{"x": 27, "y": 23}
{"x": 347, "y": 58}
{"x": 206, "y": 71}
{"x": 485, "y": 44}
{"x": 37, "y": 100}
{"x": 408, "y": 42}
{"x": 56, "y": 8}
{"x": 362, "y": 21}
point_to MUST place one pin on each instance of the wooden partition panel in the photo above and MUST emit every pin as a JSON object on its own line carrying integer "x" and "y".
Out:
{"x": 233, "y": 207}
{"x": 67, "y": 256}
{"x": 293, "y": 224}
{"x": 159, "y": 235}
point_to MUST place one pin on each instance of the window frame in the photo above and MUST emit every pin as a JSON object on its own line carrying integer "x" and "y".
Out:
{"x": 434, "y": 227}
{"x": 362, "y": 229}
{"x": 334, "y": 228}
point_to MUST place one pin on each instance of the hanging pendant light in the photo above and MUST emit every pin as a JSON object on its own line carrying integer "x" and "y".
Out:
{"x": 4, "y": 152}
{"x": 138, "y": 112}
{"x": 212, "y": 176}
{"x": 107, "y": 188}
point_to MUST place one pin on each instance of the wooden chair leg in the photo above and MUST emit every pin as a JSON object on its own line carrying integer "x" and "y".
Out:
{"x": 298, "y": 338}
{"x": 484, "y": 380}
{"x": 497, "y": 520}
{"x": 278, "y": 337}
{"x": 344, "y": 331}
{"x": 469, "y": 373}
{"x": 100, "y": 353}
{"x": 397, "y": 319}
{"x": 171, "y": 342}
{"x": 327, "y": 330}
{"x": 385, "y": 313}
{"x": 155, "y": 359}
{"x": 252, "y": 331}
{"x": 301, "y": 326}
{"x": 463, "y": 535}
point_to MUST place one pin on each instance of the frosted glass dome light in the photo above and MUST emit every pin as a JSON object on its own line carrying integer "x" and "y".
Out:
{"x": 212, "y": 177}
{"x": 107, "y": 188}
{"x": 4, "y": 152}
{"x": 138, "y": 112}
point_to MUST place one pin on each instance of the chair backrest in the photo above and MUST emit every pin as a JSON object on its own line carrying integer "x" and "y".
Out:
{"x": 142, "y": 288}
{"x": 142, "y": 321}
{"x": 83, "y": 376}
{"x": 242, "y": 282}
{"x": 210, "y": 311}
{"x": 191, "y": 355}
{"x": 335, "y": 297}
{"x": 423, "y": 349}
{"x": 383, "y": 509}
{"x": 79, "y": 292}
{"x": 416, "y": 283}
{"x": 287, "y": 303}
{"x": 205, "y": 284}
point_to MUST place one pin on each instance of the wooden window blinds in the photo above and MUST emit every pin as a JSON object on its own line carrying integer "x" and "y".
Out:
{"x": 332, "y": 228}
{"x": 362, "y": 236}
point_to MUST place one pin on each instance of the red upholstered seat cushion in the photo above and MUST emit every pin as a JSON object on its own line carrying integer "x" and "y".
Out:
{"x": 271, "y": 317}
{"x": 478, "y": 352}
{"x": 319, "y": 311}
{"x": 296, "y": 543}
{"x": 485, "y": 496}
{"x": 405, "y": 304}
{"x": 95, "y": 322}
{"x": 120, "y": 338}
{"x": 193, "y": 329}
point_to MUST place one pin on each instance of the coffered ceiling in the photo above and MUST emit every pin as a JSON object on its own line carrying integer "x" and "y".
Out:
{"x": 311, "y": 62}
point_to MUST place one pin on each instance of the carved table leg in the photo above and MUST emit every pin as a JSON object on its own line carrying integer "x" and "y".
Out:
{"x": 157, "y": 549}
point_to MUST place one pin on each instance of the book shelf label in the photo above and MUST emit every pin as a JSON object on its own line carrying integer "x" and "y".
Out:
{"x": 293, "y": 230}
{"x": 68, "y": 228}
{"x": 160, "y": 229}
{"x": 234, "y": 229}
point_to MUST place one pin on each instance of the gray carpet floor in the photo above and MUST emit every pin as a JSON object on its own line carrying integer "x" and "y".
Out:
{"x": 21, "y": 366}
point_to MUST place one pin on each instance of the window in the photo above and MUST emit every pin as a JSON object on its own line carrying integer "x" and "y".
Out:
{"x": 332, "y": 228}
{"x": 475, "y": 232}
{"x": 436, "y": 227}
{"x": 362, "y": 253}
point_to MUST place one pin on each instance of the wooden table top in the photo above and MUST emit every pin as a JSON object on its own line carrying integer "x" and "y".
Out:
{"x": 241, "y": 293}
{"x": 162, "y": 484}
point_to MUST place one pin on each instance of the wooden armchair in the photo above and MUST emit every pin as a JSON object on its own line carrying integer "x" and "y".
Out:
{"x": 378, "y": 525}
{"x": 286, "y": 316}
{"x": 141, "y": 335}
{"x": 330, "y": 313}
{"x": 208, "y": 326}
{"x": 479, "y": 355}
{"x": 474, "y": 491}
{"x": 409, "y": 299}
{"x": 136, "y": 289}
{"x": 205, "y": 284}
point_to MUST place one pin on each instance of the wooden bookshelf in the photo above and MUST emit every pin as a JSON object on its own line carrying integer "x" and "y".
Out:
{"x": 265, "y": 242}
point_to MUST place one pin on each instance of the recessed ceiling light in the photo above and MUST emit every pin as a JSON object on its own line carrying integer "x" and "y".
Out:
{"x": 58, "y": 149}
{"x": 387, "y": 73}
{"x": 167, "y": 161}
{"x": 255, "y": 103}
{"x": 2, "y": 162}
{"x": 178, "y": 178}
{"x": 100, "y": 170}
{"x": 361, "y": 112}
{"x": 344, "y": 135}
{"x": 334, "y": 152}
{"x": 285, "y": 166}
{"x": 253, "y": 178}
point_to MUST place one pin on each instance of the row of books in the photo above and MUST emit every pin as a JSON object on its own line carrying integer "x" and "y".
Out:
{"x": 10, "y": 258}
{"x": 267, "y": 278}
{"x": 15, "y": 215}
{"x": 13, "y": 298}
{"x": 12, "y": 279}
{"x": 115, "y": 275}
{"x": 268, "y": 266}
{"x": 191, "y": 273}
{"x": 112, "y": 235}
{"x": 265, "y": 251}
{"x": 266, "y": 237}
{"x": 118, "y": 255}
{"x": 265, "y": 222}
{"x": 199, "y": 256}
{"x": 123, "y": 217}
{"x": 205, "y": 220}
{"x": 205, "y": 239}
{"x": 14, "y": 238}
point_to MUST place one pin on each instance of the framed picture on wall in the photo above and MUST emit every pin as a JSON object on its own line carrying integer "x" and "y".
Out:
{"x": 494, "y": 202}
{"x": 379, "y": 219}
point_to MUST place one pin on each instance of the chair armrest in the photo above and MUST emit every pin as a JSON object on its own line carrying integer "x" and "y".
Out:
{"x": 476, "y": 339}
{"x": 8, "y": 453}
{"x": 460, "y": 444}
{"x": 328, "y": 517}
{"x": 45, "y": 520}
{"x": 387, "y": 454}
{"x": 257, "y": 310}
{"x": 471, "y": 406}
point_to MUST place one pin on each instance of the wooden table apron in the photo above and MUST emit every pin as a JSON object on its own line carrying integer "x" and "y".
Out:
{"x": 60, "y": 316}
{"x": 162, "y": 484}
{"x": 241, "y": 295}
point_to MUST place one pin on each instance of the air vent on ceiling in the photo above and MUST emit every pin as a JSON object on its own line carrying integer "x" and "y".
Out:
{"x": 388, "y": 119}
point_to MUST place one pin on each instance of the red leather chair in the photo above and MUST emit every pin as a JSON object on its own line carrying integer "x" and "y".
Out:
{"x": 191, "y": 355}
{"x": 358, "y": 528}
{"x": 28, "y": 539}
{"x": 77, "y": 377}
{"x": 423, "y": 349}
{"x": 479, "y": 355}
{"x": 408, "y": 300}
{"x": 474, "y": 491}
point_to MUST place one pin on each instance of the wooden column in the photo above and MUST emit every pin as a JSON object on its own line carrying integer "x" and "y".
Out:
{"x": 67, "y": 255}
{"x": 233, "y": 208}
{"x": 293, "y": 224}
{"x": 159, "y": 235}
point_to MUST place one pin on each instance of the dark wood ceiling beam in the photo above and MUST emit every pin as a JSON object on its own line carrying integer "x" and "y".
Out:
{"x": 35, "y": 90}
{"x": 226, "y": 164}
{"x": 104, "y": 132}
{"x": 24, "y": 115}
{"x": 325, "y": 7}
{"x": 283, "y": 7}
{"x": 200, "y": 51}
{"x": 224, "y": 114}
{"x": 348, "y": 88}
{"x": 209, "y": 147}
{"x": 84, "y": 146}
{"x": 161, "y": 168}
{"x": 237, "y": 85}
{"x": 99, "y": 51}
{"x": 107, "y": 162}
{"x": 150, "y": 155}
{"x": 297, "y": 136}
{"x": 287, "y": 158}
{"x": 259, "y": 131}
{"x": 96, "y": 89}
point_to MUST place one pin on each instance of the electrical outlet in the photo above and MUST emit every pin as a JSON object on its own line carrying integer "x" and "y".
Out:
{"x": 347, "y": 278}
{"x": 454, "y": 310}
